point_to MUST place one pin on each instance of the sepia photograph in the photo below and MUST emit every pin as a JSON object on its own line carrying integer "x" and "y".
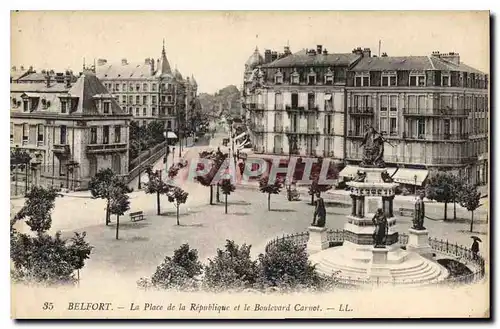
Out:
{"x": 249, "y": 164}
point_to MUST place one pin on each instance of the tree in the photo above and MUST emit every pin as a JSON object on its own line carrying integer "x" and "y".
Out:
{"x": 156, "y": 185}
{"x": 177, "y": 196}
{"x": 469, "y": 198}
{"x": 37, "y": 209}
{"x": 227, "y": 187}
{"x": 102, "y": 185}
{"x": 43, "y": 258}
{"x": 179, "y": 271}
{"x": 440, "y": 188}
{"x": 119, "y": 204}
{"x": 217, "y": 159}
{"x": 266, "y": 187}
{"x": 458, "y": 184}
{"x": 231, "y": 268}
{"x": 316, "y": 187}
{"x": 287, "y": 265}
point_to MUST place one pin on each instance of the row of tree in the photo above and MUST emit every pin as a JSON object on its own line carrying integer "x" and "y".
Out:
{"x": 144, "y": 137}
{"x": 448, "y": 188}
{"x": 285, "y": 267}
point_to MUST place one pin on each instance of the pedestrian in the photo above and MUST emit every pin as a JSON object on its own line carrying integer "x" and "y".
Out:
{"x": 475, "y": 249}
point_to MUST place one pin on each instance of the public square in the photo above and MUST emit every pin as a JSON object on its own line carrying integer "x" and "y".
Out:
{"x": 144, "y": 244}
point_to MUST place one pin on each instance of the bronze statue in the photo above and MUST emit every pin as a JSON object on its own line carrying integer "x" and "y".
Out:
{"x": 386, "y": 177}
{"x": 419, "y": 214}
{"x": 381, "y": 229}
{"x": 319, "y": 212}
{"x": 373, "y": 148}
{"x": 360, "y": 176}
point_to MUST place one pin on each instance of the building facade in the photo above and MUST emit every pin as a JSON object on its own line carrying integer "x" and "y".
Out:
{"x": 150, "y": 91}
{"x": 432, "y": 109}
{"x": 71, "y": 129}
{"x": 295, "y": 102}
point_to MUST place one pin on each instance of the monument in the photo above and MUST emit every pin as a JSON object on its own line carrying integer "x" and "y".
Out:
{"x": 371, "y": 250}
{"x": 318, "y": 239}
{"x": 418, "y": 238}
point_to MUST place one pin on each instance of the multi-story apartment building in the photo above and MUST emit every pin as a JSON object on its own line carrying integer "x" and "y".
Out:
{"x": 71, "y": 128}
{"x": 150, "y": 90}
{"x": 296, "y": 102}
{"x": 432, "y": 109}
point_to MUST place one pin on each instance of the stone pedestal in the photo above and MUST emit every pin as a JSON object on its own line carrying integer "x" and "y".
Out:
{"x": 317, "y": 239}
{"x": 378, "y": 268}
{"x": 418, "y": 241}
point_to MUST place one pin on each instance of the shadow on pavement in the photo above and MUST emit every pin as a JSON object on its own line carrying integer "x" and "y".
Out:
{"x": 283, "y": 210}
{"x": 129, "y": 226}
{"x": 189, "y": 225}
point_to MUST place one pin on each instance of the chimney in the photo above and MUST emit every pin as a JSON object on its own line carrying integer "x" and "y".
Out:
{"x": 152, "y": 63}
{"x": 147, "y": 61}
{"x": 384, "y": 55}
{"x": 47, "y": 79}
{"x": 101, "y": 62}
{"x": 452, "y": 57}
{"x": 435, "y": 54}
{"x": 67, "y": 79}
{"x": 22, "y": 68}
{"x": 287, "y": 50}
{"x": 325, "y": 52}
{"x": 267, "y": 56}
{"x": 274, "y": 56}
{"x": 124, "y": 61}
{"x": 319, "y": 49}
{"x": 13, "y": 68}
{"x": 358, "y": 51}
{"x": 367, "y": 52}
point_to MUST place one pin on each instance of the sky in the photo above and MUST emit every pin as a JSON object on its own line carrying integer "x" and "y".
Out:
{"x": 214, "y": 46}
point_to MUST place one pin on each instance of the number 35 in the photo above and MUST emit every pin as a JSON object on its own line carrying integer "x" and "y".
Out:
{"x": 47, "y": 306}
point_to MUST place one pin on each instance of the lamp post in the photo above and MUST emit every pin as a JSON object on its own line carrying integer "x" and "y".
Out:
{"x": 415, "y": 177}
{"x": 292, "y": 146}
{"x": 167, "y": 150}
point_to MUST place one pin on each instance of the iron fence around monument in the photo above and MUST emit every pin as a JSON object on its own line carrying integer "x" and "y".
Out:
{"x": 457, "y": 252}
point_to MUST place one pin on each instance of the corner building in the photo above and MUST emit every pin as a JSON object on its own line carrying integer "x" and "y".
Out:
{"x": 432, "y": 109}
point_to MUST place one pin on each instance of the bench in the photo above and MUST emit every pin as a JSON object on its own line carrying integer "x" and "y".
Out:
{"x": 406, "y": 212}
{"x": 136, "y": 216}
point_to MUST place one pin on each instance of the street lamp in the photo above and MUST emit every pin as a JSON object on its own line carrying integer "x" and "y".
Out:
{"x": 415, "y": 177}
{"x": 167, "y": 150}
{"x": 292, "y": 146}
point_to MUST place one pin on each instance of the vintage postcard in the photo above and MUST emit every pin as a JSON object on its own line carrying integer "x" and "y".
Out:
{"x": 249, "y": 165}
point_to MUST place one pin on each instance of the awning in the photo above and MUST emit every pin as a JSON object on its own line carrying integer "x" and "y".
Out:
{"x": 30, "y": 95}
{"x": 410, "y": 176}
{"x": 328, "y": 97}
{"x": 171, "y": 134}
{"x": 349, "y": 171}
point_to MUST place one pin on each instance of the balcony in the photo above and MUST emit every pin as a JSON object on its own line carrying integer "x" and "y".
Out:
{"x": 294, "y": 108}
{"x": 361, "y": 111}
{"x": 327, "y": 131}
{"x": 278, "y": 107}
{"x": 327, "y": 153}
{"x": 278, "y": 150}
{"x": 416, "y": 160}
{"x": 436, "y": 137}
{"x": 354, "y": 134}
{"x": 60, "y": 148}
{"x": 106, "y": 148}
{"x": 167, "y": 103}
{"x": 435, "y": 112}
{"x": 312, "y": 107}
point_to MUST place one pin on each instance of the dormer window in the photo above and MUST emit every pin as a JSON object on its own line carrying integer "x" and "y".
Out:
{"x": 106, "y": 107}
{"x": 117, "y": 87}
{"x": 329, "y": 77}
{"x": 137, "y": 87}
{"x": 445, "y": 79}
{"x": 131, "y": 87}
{"x": 278, "y": 78}
{"x": 417, "y": 79}
{"x": 124, "y": 87}
{"x": 362, "y": 80}
{"x": 64, "y": 106}
{"x": 388, "y": 79}
{"x": 153, "y": 87}
{"x": 144, "y": 87}
{"x": 311, "y": 77}
{"x": 295, "y": 77}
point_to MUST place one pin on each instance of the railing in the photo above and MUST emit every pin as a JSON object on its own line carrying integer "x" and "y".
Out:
{"x": 444, "y": 247}
{"x": 420, "y": 160}
{"x": 361, "y": 110}
{"x": 435, "y": 112}
{"x": 146, "y": 154}
{"x": 103, "y": 148}
{"x": 278, "y": 150}
{"x": 294, "y": 108}
{"x": 60, "y": 148}
{"x": 278, "y": 129}
{"x": 146, "y": 159}
{"x": 328, "y": 131}
{"x": 278, "y": 107}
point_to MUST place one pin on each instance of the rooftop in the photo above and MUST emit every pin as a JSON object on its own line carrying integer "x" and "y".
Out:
{"x": 304, "y": 58}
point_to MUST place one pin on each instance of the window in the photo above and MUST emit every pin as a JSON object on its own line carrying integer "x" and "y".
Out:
{"x": 130, "y": 110}
{"x": 40, "y": 134}
{"x": 26, "y": 133}
{"x": 163, "y": 99}
{"x": 384, "y": 100}
{"x": 445, "y": 80}
{"x": 124, "y": 87}
{"x": 153, "y": 111}
{"x": 62, "y": 135}
{"x": 105, "y": 134}
{"x": 394, "y": 126}
{"x": 93, "y": 135}
{"x": 311, "y": 79}
{"x": 421, "y": 128}
{"x": 329, "y": 79}
{"x": 169, "y": 125}
{"x": 63, "y": 106}
{"x": 417, "y": 80}
{"x": 131, "y": 87}
{"x": 421, "y": 81}
{"x": 385, "y": 81}
{"x": 116, "y": 163}
{"x": 163, "y": 86}
{"x": 11, "y": 132}
{"x": 278, "y": 79}
{"x": 117, "y": 87}
{"x": 137, "y": 87}
{"x": 144, "y": 112}
{"x": 392, "y": 80}
{"x": 153, "y": 99}
{"x": 357, "y": 82}
{"x": 106, "y": 105}
{"x": 144, "y": 87}
{"x": 124, "y": 99}
{"x": 63, "y": 166}
{"x": 413, "y": 80}
{"x": 144, "y": 100}
{"x": 169, "y": 99}
{"x": 394, "y": 101}
{"x": 366, "y": 81}
{"x": 144, "y": 123}
{"x": 422, "y": 103}
{"x": 137, "y": 112}
{"x": 153, "y": 86}
{"x": 131, "y": 99}
{"x": 295, "y": 100}
{"x": 383, "y": 125}
{"x": 118, "y": 132}
{"x": 295, "y": 78}
{"x": 311, "y": 102}
{"x": 447, "y": 128}
{"x": 138, "y": 99}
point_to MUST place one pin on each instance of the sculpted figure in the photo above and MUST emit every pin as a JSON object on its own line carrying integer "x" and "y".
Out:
{"x": 381, "y": 229}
